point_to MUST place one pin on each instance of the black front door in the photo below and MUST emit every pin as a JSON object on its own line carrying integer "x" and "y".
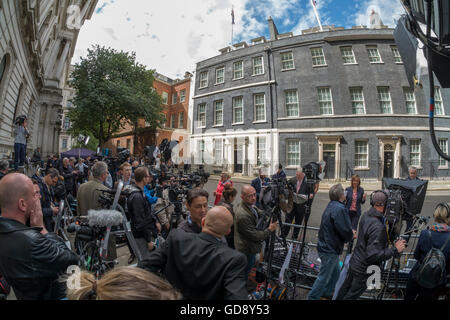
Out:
{"x": 388, "y": 164}
{"x": 330, "y": 164}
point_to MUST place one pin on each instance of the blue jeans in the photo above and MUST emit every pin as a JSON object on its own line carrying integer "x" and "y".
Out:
{"x": 327, "y": 278}
{"x": 251, "y": 259}
{"x": 19, "y": 155}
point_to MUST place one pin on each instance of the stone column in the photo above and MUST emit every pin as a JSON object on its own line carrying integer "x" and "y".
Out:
{"x": 62, "y": 60}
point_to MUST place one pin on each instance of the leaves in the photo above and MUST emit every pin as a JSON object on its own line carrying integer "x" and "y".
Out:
{"x": 112, "y": 89}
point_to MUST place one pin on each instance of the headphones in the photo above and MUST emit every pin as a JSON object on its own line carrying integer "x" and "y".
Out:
{"x": 444, "y": 205}
{"x": 377, "y": 191}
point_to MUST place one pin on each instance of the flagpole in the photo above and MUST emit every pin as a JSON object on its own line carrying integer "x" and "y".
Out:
{"x": 232, "y": 24}
{"x": 316, "y": 13}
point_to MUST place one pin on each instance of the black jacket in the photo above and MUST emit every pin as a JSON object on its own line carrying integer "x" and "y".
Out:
{"x": 335, "y": 229}
{"x": 31, "y": 262}
{"x": 46, "y": 203}
{"x": 200, "y": 266}
{"x": 372, "y": 244}
{"x": 67, "y": 173}
{"x": 141, "y": 217}
{"x": 425, "y": 244}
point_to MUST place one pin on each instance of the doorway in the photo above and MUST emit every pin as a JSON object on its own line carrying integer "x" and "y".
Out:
{"x": 329, "y": 156}
{"x": 388, "y": 171}
{"x": 238, "y": 155}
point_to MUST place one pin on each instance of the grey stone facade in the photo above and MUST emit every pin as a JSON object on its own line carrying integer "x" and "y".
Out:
{"x": 386, "y": 142}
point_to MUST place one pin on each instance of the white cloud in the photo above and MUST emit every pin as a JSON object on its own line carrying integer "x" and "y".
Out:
{"x": 389, "y": 11}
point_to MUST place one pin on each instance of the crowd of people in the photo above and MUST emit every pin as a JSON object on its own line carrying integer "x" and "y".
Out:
{"x": 206, "y": 252}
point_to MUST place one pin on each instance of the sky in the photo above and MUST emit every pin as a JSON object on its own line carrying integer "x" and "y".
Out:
{"x": 171, "y": 36}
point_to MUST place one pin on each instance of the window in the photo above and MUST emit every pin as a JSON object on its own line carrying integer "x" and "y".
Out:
{"x": 64, "y": 143}
{"x": 443, "y": 144}
{"x": 384, "y": 98}
{"x": 220, "y": 75}
{"x": 292, "y": 109}
{"x": 357, "y": 97}
{"x": 238, "y": 70}
{"x": 218, "y": 113}
{"x": 218, "y": 151}
{"x": 258, "y": 67}
{"x": 172, "y": 121}
{"x": 414, "y": 152}
{"x": 183, "y": 95}
{"x": 164, "y": 120}
{"x": 238, "y": 110}
{"x": 438, "y": 106}
{"x": 325, "y": 101}
{"x": 203, "y": 79}
{"x": 66, "y": 123}
{"x": 201, "y": 151}
{"x": 374, "y": 55}
{"x": 69, "y": 104}
{"x": 202, "y": 115}
{"x": 293, "y": 153}
{"x": 318, "y": 58}
{"x": 410, "y": 101}
{"x": 174, "y": 98}
{"x": 129, "y": 144}
{"x": 260, "y": 150}
{"x": 361, "y": 154}
{"x": 260, "y": 107}
{"x": 118, "y": 143}
{"x": 287, "y": 61}
{"x": 396, "y": 53}
{"x": 348, "y": 57}
{"x": 181, "y": 120}
{"x": 165, "y": 97}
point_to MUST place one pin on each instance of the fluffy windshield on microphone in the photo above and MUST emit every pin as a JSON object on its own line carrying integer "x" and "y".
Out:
{"x": 104, "y": 218}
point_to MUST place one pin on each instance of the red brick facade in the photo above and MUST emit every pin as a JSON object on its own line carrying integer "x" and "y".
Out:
{"x": 176, "y": 114}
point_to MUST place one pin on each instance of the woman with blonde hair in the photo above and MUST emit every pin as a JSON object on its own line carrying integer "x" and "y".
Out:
{"x": 124, "y": 283}
{"x": 355, "y": 197}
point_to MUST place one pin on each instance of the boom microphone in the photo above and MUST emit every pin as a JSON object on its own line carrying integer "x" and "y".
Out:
{"x": 104, "y": 218}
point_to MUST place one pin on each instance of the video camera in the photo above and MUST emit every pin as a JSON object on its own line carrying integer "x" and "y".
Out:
{"x": 20, "y": 120}
{"x": 314, "y": 171}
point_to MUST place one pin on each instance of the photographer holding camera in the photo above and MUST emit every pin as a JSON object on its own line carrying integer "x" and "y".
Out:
{"x": 20, "y": 142}
{"x": 372, "y": 247}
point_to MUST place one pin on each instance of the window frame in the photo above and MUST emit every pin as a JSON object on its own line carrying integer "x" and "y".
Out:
{"x": 368, "y": 47}
{"x": 215, "y": 103}
{"x": 286, "y": 103}
{"x": 181, "y": 120}
{"x": 394, "y": 50}
{"x": 174, "y": 95}
{"x": 182, "y": 95}
{"x": 297, "y": 164}
{"x": 355, "y": 167}
{"x": 173, "y": 120}
{"x": 165, "y": 97}
{"x": 380, "y": 101}
{"x": 261, "y": 153}
{"x": 233, "y": 106}
{"x": 262, "y": 66}
{"x": 254, "y": 108}
{"x": 356, "y": 101}
{"x": 445, "y": 150}
{"x": 282, "y": 62}
{"x": 438, "y": 93}
{"x": 204, "y": 79}
{"x": 353, "y": 55}
{"x": 242, "y": 70}
{"x": 223, "y": 70}
{"x": 312, "y": 50}
{"x": 331, "y": 100}
{"x": 218, "y": 141}
{"x": 406, "y": 91}
{"x": 411, "y": 141}
{"x": 200, "y": 122}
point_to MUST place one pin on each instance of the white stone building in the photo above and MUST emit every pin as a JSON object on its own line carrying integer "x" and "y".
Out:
{"x": 37, "y": 42}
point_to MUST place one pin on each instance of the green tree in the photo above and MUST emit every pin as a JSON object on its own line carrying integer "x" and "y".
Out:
{"x": 112, "y": 89}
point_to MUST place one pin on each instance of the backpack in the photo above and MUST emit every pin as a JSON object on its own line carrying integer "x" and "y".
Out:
{"x": 431, "y": 272}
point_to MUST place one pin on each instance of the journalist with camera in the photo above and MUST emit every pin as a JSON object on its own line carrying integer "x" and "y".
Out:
{"x": 20, "y": 142}
{"x": 33, "y": 258}
{"x": 144, "y": 225}
{"x": 372, "y": 247}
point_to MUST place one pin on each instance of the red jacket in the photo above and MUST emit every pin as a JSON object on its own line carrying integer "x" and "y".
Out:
{"x": 219, "y": 190}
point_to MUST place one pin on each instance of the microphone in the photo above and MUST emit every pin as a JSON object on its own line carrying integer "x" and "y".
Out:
{"x": 104, "y": 218}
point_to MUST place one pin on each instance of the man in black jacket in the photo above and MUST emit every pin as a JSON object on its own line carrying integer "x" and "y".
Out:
{"x": 144, "y": 224}
{"x": 45, "y": 185}
{"x": 31, "y": 258}
{"x": 201, "y": 266}
{"x": 69, "y": 176}
{"x": 371, "y": 248}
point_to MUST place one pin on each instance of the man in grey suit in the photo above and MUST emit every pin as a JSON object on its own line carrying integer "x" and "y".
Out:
{"x": 200, "y": 265}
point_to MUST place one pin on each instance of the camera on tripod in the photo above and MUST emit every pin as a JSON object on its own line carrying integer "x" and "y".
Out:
{"x": 314, "y": 171}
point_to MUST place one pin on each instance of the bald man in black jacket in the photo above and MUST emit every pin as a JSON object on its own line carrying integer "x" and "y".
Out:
{"x": 200, "y": 265}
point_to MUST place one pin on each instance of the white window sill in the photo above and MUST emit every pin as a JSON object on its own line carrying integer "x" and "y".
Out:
{"x": 202, "y": 87}
{"x": 319, "y": 66}
{"x": 350, "y": 64}
{"x": 237, "y": 79}
{"x": 260, "y": 121}
{"x": 377, "y": 62}
{"x": 399, "y": 63}
{"x": 217, "y": 126}
{"x": 237, "y": 123}
{"x": 443, "y": 167}
{"x": 216, "y": 84}
{"x": 201, "y": 127}
{"x": 282, "y": 70}
{"x": 260, "y": 74}
{"x": 291, "y": 167}
{"x": 362, "y": 169}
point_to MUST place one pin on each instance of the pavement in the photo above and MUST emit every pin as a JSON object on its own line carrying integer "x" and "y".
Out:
{"x": 368, "y": 185}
